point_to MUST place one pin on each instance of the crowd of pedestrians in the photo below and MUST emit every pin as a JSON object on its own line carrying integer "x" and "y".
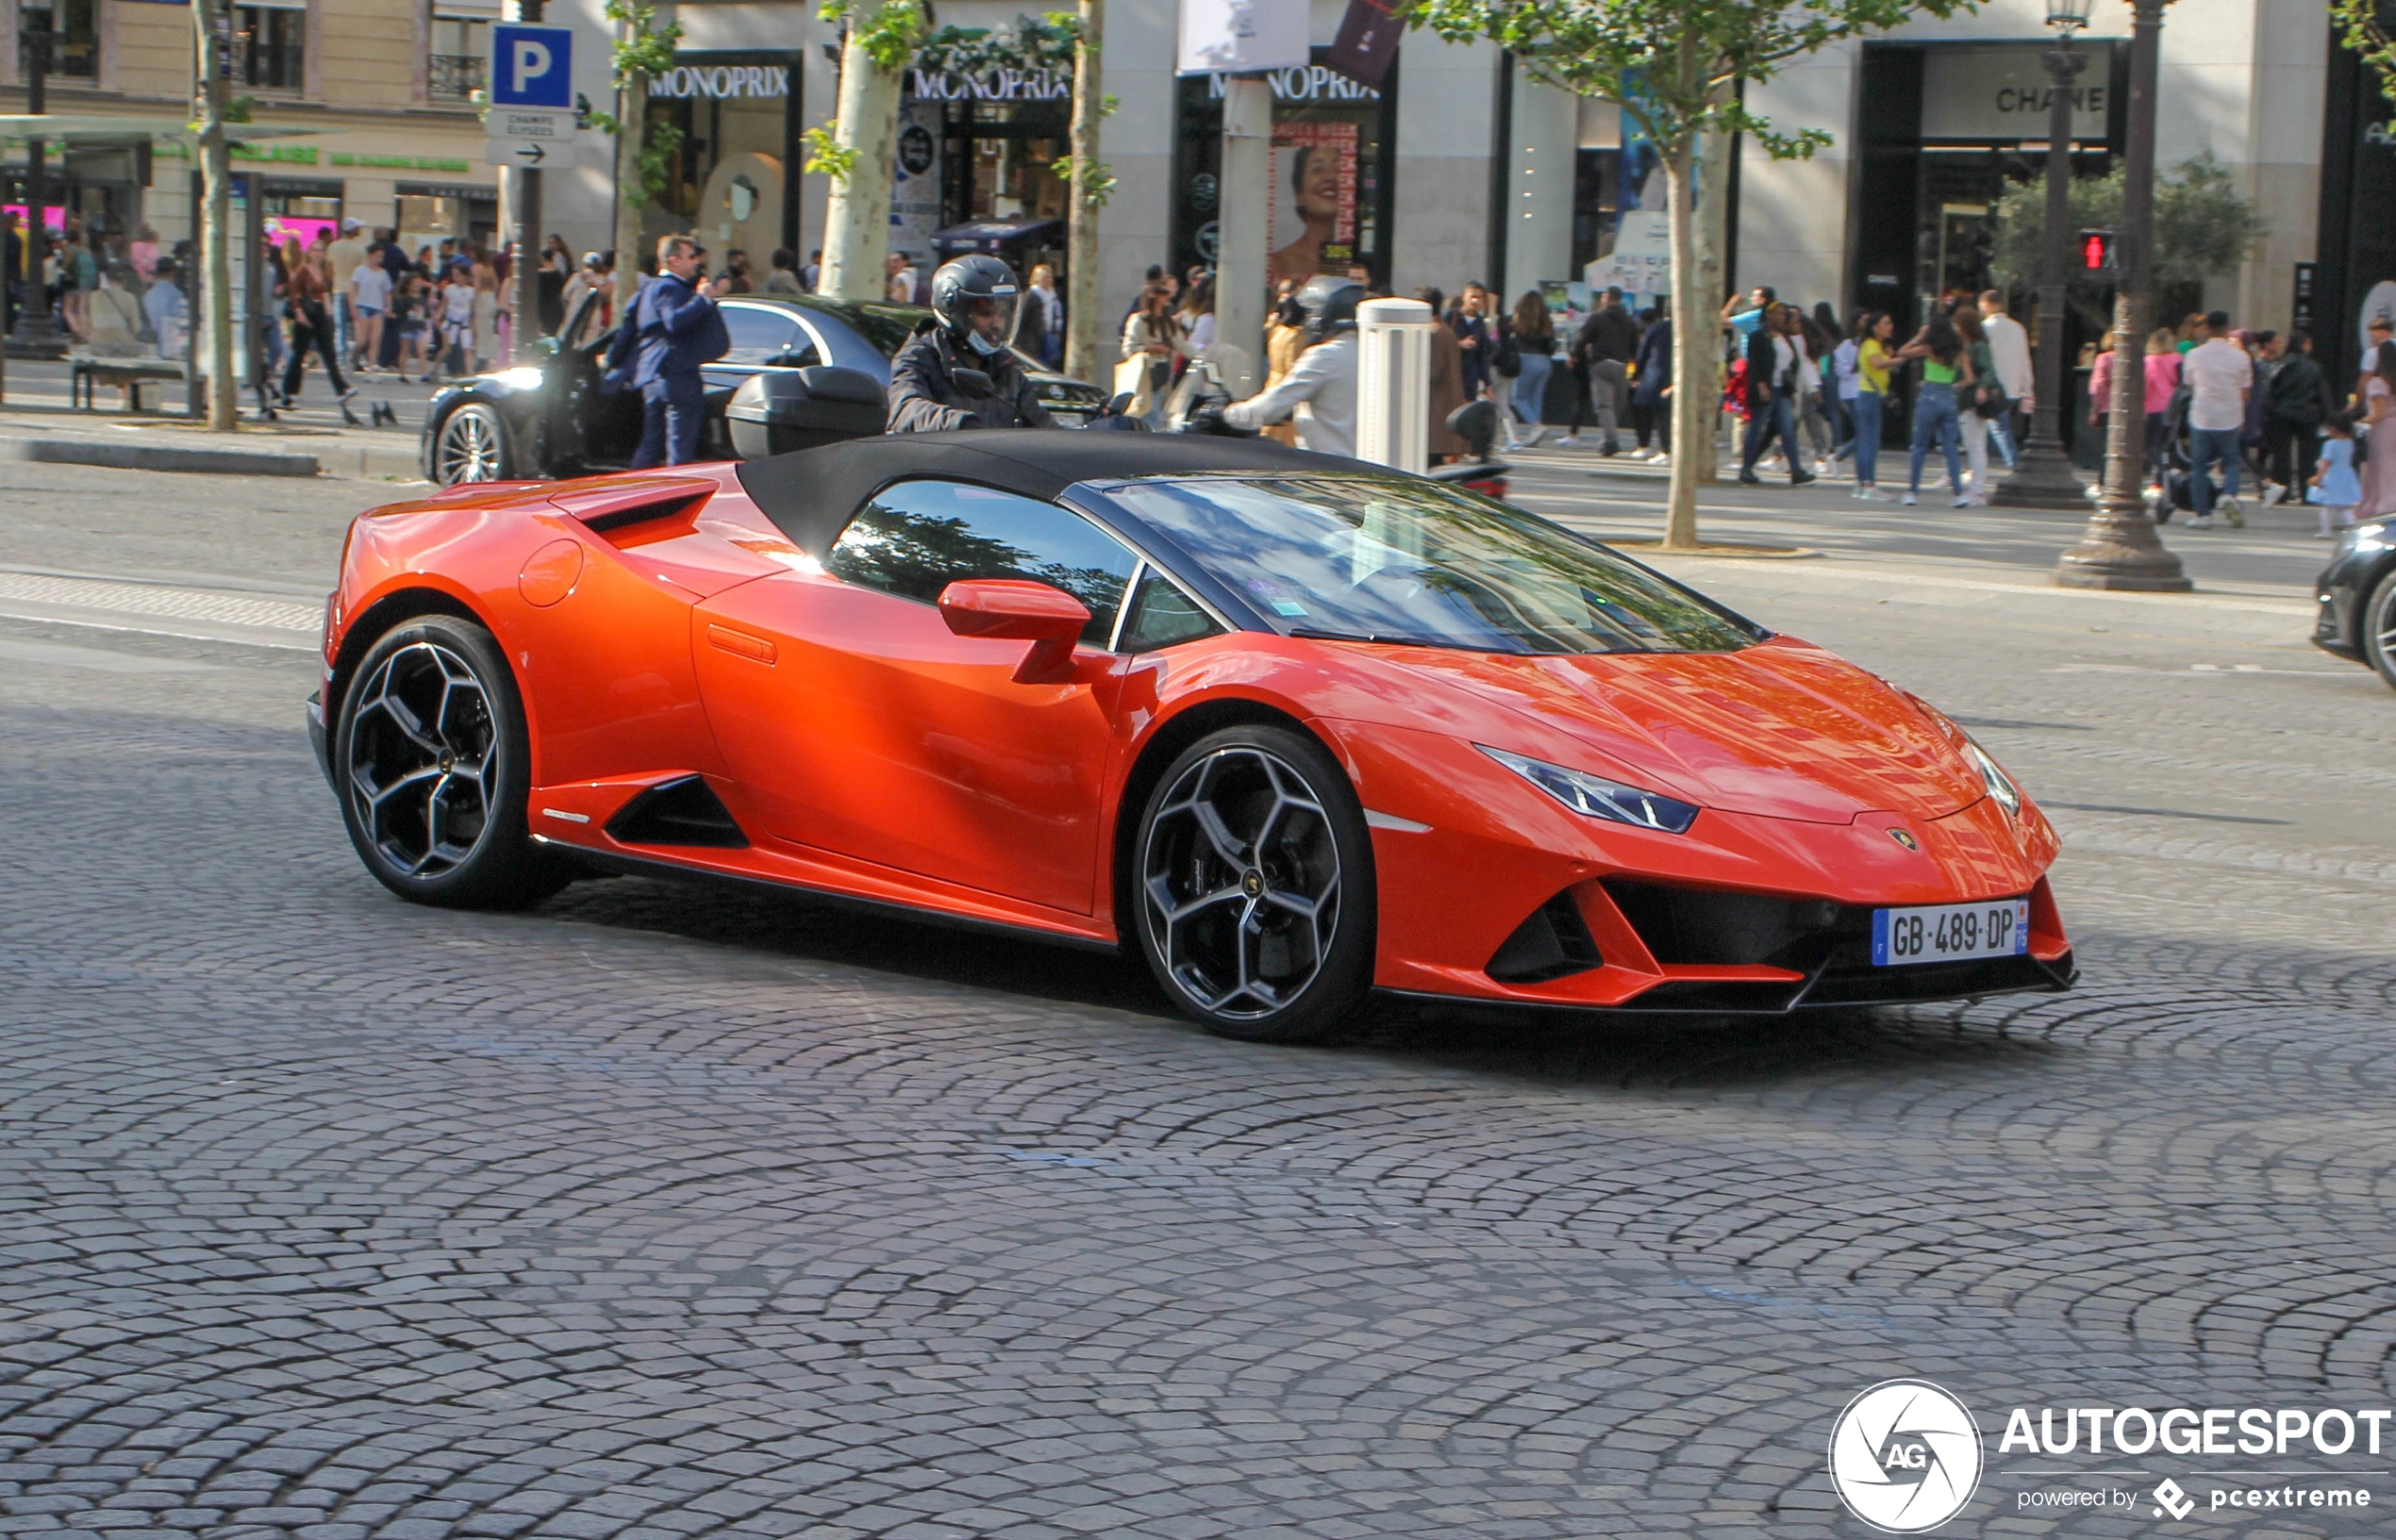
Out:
{"x": 112, "y": 293}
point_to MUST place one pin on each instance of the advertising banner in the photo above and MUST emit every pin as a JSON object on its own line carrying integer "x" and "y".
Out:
{"x": 1240, "y": 35}
{"x": 1368, "y": 41}
{"x": 1311, "y": 226}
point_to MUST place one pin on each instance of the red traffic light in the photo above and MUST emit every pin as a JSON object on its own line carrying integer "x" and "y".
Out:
{"x": 2096, "y": 250}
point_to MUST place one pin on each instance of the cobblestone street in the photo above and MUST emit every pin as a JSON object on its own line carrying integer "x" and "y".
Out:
{"x": 664, "y": 1211}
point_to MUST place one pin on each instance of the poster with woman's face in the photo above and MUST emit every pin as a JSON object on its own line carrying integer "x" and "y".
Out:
{"x": 1312, "y": 225}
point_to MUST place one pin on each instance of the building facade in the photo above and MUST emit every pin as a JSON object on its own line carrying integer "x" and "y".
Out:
{"x": 375, "y": 96}
{"x": 1929, "y": 123}
{"x": 1456, "y": 166}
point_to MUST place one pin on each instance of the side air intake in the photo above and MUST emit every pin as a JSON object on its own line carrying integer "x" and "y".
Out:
{"x": 1554, "y": 943}
{"x": 679, "y": 812}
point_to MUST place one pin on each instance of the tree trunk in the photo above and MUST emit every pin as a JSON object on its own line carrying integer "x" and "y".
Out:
{"x": 212, "y": 295}
{"x": 1081, "y": 239}
{"x": 1693, "y": 345}
{"x": 857, "y": 220}
{"x": 1713, "y": 245}
{"x": 632, "y": 124}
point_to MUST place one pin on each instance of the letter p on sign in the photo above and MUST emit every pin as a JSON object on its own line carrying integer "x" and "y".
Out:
{"x": 531, "y": 63}
{"x": 531, "y": 66}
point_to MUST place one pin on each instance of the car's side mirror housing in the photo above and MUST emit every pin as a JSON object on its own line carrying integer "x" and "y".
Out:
{"x": 1016, "y": 610}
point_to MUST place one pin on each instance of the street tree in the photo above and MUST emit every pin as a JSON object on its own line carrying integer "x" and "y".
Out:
{"x": 2363, "y": 25}
{"x": 645, "y": 151}
{"x": 211, "y": 289}
{"x": 1676, "y": 68}
{"x": 1090, "y": 182}
{"x": 2203, "y": 226}
{"x": 860, "y": 151}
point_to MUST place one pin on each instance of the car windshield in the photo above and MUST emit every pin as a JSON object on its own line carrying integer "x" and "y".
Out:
{"x": 1385, "y": 559}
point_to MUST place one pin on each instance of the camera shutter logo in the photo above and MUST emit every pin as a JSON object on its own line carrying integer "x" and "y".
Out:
{"x": 1904, "y": 1456}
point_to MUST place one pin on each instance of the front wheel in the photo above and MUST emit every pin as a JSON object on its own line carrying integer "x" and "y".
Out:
{"x": 1256, "y": 899}
{"x": 470, "y": 444}
{"x": 2379, "y": 628}
{"x": 434, "y": 766}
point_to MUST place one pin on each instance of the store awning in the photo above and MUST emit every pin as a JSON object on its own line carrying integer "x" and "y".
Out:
{"x": 989, "y": 235}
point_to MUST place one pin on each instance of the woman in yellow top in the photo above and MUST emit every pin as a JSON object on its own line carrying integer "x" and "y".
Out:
{"x": 1945, "y": 365}
{"x": 1873, "y": 356}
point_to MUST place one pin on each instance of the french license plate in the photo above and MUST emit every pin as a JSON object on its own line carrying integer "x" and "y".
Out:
{"x": 1946, "y": 933}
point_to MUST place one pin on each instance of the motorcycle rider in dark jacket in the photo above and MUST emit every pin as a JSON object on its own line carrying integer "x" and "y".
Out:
{"x": 958, "y": 371}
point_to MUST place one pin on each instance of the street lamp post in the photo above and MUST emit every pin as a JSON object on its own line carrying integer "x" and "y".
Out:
{"x": 2044, "y": 477}
{"x": 37, "y": 335}
{"x": 2119, "y": 548}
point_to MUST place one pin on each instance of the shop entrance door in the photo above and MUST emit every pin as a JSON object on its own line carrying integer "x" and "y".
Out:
{"x": 1964, "y": 235}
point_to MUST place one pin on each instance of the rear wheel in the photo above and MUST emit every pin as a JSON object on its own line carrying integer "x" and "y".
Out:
{"x": 470, "y": 445}
{"x": 1256, "y": 888}
{"x": 2379, "y": 627}
{"x": 433, "y": 766}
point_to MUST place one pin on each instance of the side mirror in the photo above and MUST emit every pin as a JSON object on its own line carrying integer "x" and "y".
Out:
{"x": 1015, "y": 610}
{"x": 973, "y": 382}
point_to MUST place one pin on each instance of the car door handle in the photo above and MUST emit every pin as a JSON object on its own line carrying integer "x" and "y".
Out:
{"x": 741, "y": 644}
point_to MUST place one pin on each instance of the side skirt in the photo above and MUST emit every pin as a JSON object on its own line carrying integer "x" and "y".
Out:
{"x": 641, "y": 866}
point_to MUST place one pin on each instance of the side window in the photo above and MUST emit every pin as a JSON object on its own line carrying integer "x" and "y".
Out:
{"x": 919, "y": 537}
{"x": 806, "y": 349}
{"x": 758, "y": 334}
{"x": 1163, "y": 616}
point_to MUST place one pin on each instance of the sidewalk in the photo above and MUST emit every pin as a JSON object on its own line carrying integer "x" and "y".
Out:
{"x": 2271, "y": 563}
{"x": 38, "y": 423}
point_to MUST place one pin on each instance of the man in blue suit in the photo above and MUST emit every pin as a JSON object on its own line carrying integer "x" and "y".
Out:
{"x": 675, "y": 327}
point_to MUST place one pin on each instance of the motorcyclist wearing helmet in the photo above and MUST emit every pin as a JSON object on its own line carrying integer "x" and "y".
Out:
{"x": 1319, "y": 390}
{"x": 958, "y": 371}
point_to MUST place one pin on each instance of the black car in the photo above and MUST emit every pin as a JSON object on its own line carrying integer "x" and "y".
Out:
{"x": 552, "y": 419}
{"x": 2357, "y": 594}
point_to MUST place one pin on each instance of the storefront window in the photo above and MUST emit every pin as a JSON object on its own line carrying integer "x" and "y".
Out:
{"x": 988, "y": 150}
{"x": 429, "y": 215}
{"x": 735, "y": 114}
{"x": 302, "y": 210}
{"x": 1334, "y": 146}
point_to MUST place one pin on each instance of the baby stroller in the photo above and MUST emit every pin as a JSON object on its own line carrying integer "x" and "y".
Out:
{"x": 2179, "y": 484}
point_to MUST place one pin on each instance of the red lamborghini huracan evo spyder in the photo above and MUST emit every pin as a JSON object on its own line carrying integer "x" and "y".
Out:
{"x": 1297, "y": 727}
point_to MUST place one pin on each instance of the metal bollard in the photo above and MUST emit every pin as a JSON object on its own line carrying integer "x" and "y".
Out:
{"x": 1393, "y": 384}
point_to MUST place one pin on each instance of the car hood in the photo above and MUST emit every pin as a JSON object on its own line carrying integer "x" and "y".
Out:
{"x": 1783, "y": 729}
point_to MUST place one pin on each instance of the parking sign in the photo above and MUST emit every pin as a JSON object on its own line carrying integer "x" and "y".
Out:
{"x": 532, "y": 66}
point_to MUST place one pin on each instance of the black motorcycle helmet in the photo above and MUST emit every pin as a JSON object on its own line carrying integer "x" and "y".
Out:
{"x": 975, "y": 299}
{"x": 1331, "y": 306}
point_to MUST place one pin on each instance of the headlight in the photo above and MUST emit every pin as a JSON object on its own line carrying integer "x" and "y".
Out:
{"x": 526, "y": 378}
{"x": 2361, "y": 537}
{"x": 1999, "y": 785}
{"x": 1597, "y": 797}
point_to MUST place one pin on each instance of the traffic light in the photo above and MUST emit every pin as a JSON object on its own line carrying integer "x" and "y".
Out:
{"x": 2096, "y": 251}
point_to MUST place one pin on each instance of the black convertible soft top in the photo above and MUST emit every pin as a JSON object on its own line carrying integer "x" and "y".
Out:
{"x": 810, "y": 495}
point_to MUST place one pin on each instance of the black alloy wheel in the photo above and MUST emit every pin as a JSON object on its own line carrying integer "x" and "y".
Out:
{"x": 2379, "y": 627}
{"x": 1255, "y": 897}
{"x": 433, "y": 761}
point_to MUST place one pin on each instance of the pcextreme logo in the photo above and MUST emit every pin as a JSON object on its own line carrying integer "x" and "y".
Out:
{"x": 1904, "y": 1456}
